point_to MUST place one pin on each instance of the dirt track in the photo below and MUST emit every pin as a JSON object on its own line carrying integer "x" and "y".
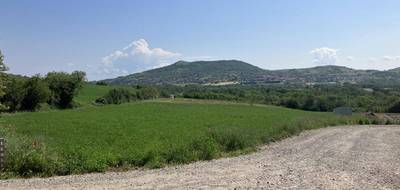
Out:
{"x": 359, "y": 157}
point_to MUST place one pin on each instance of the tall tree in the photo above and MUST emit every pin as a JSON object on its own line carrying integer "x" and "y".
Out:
{"x": 64, "y": 87}
{"x": 37, "y": 92}
{"x": 14, "y": 94}
{"x": 3, "y": 68}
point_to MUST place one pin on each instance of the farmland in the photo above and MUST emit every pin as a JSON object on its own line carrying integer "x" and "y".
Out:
{"x": 150, "y": 134}
{"x": 89, "y": 93}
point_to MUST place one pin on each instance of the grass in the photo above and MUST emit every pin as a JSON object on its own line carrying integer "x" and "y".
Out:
{"x": 144, "y": 134}
{"x": 89, "y": 93}
{"x": 148, "y": 134}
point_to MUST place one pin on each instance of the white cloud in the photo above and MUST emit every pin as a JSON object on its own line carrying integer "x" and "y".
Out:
{"x": 350, "y": 58}
{"x": 372, "y": 60}
{"x": 325, "y": 56}
{"x": 109, "y": 59}
{"x": 391, "y": 58}
{"x": 136, "y": 57}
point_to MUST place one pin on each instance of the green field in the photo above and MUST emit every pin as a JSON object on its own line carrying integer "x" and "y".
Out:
{"x": 144, "y": 134}
{"x": 89, "y": 93}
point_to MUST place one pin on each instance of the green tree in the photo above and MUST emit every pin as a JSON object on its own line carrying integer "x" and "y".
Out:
{"x": 309, "y": 104}
{"x": 3, "y": 68}
{"x": 118, "y": 96}
{"x": 291, "y": 103}
{"x": 395, "y": 108}
{"x": 14, "y": 94}
{"x": 64, "y": 87}
{"x": 36, "y": 92}
{"x": 146, "y": 92}
{"x": 101, "y": 83}
{"x": 78, "y": 77}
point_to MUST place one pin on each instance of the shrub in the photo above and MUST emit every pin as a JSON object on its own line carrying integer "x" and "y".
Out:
{"x": 64, "y": 87}
{"x": 117, "y": 96}
{"x": 14, "y": 94}
{"x": 101, "y": 100}
{"x": 291, "y": 103}
{"x": 375, "y": 122}
{"x": 204, "y": 148}
{"x": 146, "y": 92}
{"x": 395, "y": 108}
{"x": 27, "y": 157}
{"x": 232, "y": 139}
{"x": 36, "y": 92}
{"x": 101, "y": 83}
{"x": 122, "y": 95}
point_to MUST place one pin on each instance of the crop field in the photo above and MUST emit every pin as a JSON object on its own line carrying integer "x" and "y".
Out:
{"x": 145, "y": 134}
{"x": 89, "y": 93}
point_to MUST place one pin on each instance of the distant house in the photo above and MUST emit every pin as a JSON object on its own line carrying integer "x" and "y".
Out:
{"x": 368, "y": 89}
{"x": 343, "y": 111}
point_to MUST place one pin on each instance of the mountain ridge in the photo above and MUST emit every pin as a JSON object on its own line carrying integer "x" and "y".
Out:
{"x": 240, "y": 72}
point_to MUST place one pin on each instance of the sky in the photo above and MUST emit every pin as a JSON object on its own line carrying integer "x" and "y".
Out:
{"x": 108, "y": 38}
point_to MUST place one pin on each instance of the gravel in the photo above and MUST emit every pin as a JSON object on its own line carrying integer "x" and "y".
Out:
{"x": 347, "y": 157}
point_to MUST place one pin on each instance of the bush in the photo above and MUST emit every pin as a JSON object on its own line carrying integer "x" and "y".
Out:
{"x": 64, "y": 87}
{"x": 101, "y": 100}
{"x": 27, "y": 157}
{"x": 203, "y": 148}
{"x": 14, "y": 94}
{"x": 291, "y": 103}
{"x": 101, "y": 83}
{"x": 117, "y": 96}
{"x": 395, "y": 108}
{"x": 36, "y": 92}
{"x": 232, "y": 139}
{"x": 146, "y": 92}
{"x": 27, "y": 94}
{"x": 122, "y": 95}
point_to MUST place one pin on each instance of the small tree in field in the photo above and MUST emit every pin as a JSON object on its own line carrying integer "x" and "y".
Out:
{"x": 36, "y": 92}
{"x": 14, "y": 94}
{"x": 2, "y": 79}
{"x": 64, "y": 87}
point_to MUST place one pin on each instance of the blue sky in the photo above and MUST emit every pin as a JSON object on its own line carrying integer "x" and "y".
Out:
{"x": 112, "y": 38}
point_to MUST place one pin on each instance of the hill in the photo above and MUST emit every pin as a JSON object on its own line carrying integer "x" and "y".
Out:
{"x": 199, "y": 72}
{"x": 239, "y": 72}
{"x": 395, "y": 70}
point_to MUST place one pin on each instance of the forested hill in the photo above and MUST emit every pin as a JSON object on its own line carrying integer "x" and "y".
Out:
{"x": 238, "y": 72}
{"x": 199, "y": 72}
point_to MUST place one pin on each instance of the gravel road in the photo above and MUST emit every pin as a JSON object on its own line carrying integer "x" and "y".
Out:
{"x": 356, "y": 157}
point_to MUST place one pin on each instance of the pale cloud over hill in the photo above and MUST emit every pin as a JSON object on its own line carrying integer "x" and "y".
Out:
{"x": 136, "y": 57}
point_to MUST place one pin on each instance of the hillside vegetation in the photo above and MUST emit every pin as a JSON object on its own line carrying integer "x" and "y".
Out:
{"x": 323, "y": 97}
{"x": 233, "y": 71}
{"x": 199, "y": 72}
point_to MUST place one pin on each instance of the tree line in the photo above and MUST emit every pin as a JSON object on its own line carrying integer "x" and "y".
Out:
{"x": 127, "y": 94}
{"x": 324, "y": 97}
{"x": 310, "y": 98}
{"x": 57, "y": 89}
